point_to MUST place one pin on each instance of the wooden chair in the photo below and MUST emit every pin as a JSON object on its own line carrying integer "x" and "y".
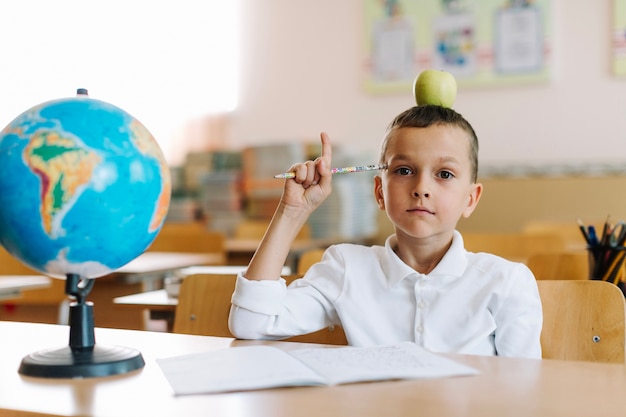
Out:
{"x": 308, "y": 258}
{"x": 559, "y": 265}
{"x": 582, "y": 320}
{"x": 513, "y": 246}
{"x": 204, "y": 305}
{"x": 191, "y": 237}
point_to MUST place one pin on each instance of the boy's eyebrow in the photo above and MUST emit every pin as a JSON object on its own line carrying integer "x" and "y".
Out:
{"x": 403, "y": 157}
{"x": 450, "y": 159}
{"x": 400, "y": 157}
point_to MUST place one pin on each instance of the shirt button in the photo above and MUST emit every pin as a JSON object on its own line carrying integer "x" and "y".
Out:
{"x": 419, "y": 329}
{"x": 421, "y": 305}
{"x": 422, "y": 283}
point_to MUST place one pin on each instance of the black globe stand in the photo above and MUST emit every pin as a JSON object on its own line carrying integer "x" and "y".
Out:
{"x": 82, "y": 358}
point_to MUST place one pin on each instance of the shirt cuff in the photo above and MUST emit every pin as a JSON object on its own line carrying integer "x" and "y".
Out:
{"x": 264, "y": 296}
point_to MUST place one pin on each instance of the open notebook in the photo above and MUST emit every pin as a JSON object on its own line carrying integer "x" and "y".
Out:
{"x": 259, "y": 367}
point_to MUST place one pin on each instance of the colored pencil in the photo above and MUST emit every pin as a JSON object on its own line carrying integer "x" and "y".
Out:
{"x": 345, "y": 170}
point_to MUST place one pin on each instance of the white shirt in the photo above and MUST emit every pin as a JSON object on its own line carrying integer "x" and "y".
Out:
{"x": 472, "y": 303}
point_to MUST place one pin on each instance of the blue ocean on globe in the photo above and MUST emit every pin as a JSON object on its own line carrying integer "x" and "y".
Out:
{"x": 84, "y": 187}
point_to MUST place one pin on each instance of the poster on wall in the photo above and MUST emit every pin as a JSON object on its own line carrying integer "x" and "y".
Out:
{"x": 619, "y": 38}
{"x": 481, "y": 42}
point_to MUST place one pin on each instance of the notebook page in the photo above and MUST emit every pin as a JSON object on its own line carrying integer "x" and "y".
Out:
{"x": 236, "y": 369}
{"x": 402, "y": 361}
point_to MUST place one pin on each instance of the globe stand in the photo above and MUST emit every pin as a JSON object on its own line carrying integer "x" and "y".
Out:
{"x": 82, "y": 358}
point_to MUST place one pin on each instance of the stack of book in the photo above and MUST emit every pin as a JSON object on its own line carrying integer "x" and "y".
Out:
{"x": 220, "y": 195}
{"x": 349, "y": 213}
{"x": 260, "y": 164}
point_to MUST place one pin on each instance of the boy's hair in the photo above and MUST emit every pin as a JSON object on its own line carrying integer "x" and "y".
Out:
{"x": 427, "y": 115}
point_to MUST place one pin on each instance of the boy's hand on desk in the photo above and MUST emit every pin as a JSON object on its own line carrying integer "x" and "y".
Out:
{"x": 312, "y": 183}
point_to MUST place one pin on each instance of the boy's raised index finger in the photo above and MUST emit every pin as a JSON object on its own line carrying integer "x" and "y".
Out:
{"x": 327, "y": 150}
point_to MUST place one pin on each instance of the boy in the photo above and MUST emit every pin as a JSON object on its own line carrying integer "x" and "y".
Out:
{"x": 422, "y": 286}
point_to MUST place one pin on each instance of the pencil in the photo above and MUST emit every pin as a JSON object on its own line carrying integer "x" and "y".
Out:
{"x": 581, "y": 226}
{"x": 344, "y": 170}
{"x": 593, "y": 237}
{"x": 605, "y": 240}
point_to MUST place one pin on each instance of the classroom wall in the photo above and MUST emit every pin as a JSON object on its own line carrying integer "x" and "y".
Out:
{"x": 302, "y": 67}
{"x": 509, "y": 204}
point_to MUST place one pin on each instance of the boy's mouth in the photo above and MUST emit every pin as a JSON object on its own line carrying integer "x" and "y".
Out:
{"x": 420, "y": 210}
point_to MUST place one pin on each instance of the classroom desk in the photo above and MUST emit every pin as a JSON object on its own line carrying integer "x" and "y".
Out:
{"x": 11, "y": 286}
{"x": 144, "y": 273}
{"x": 156, "y": 305}
{"x": 240, "y": 251}
{"x": 159, "y": 262}
{"x": 161, "y": 305}
{"x": 157, "y": 300}
{"x": 150, "y": 268}
{"x": 505, "y": 387}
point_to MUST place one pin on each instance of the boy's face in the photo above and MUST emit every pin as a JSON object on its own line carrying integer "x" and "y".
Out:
{"x": 427, "y": 186}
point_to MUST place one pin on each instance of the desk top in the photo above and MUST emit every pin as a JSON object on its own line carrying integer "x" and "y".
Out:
{"x": 220, "y": 269}
{"x": 12, "y": 285}
{"x": 162, "y": 300}
{"x": 298, "y": 245}
{"x": 153, "y": 300}
{"x": 511, "y": 387}
{"x": 155, "y": 262}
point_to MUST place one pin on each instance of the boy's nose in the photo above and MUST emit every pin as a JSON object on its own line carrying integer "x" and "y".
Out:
{"x": 421, "y": 186}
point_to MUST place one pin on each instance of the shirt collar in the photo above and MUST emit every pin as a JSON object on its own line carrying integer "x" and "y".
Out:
{"x": 453, "y": 262}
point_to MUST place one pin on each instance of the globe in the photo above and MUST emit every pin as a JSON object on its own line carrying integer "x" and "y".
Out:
{"x": 84, "y": 187}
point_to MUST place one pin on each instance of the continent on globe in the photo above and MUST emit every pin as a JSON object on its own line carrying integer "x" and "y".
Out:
{"x": 84, "y": 185}
{"x": 64, "y": 169}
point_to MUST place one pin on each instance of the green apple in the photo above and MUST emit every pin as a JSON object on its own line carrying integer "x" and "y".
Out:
{"x": 435, "y": 87}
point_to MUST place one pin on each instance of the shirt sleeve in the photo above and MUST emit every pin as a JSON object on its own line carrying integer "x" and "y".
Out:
{"x": 269, "y": 310}
{"x": 519, "y": 317}
{"x": 264, "y": 297}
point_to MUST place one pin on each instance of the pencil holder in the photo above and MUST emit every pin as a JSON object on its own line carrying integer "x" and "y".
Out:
{"x": 606, "y": 263}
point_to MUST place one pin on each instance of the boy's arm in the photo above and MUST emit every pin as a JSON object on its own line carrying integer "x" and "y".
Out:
{"x": 301, "y": 196}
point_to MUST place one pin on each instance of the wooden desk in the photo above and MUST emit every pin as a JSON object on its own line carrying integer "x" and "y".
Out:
{"x": 158, "y": 262}
{"x": 11, "y": 286}
{"x": 240, "y": 251}
{"x": 161, "y": 305}
{"x": 505, "y": 387}
{"x": 153, "y": 305}
{"x": 152, "y": 266}
{"x": 144, "y": 273}
{"x": 152, "y": 300}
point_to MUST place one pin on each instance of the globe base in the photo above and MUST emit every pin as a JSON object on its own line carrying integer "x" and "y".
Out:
{"x": 65, "y": 362}
{"x": 82, "y": 358}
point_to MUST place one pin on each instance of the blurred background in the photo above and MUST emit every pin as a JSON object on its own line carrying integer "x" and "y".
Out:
{"x": 235, "y": 91}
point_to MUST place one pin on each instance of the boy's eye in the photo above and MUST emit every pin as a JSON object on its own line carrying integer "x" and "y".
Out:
{"x": 445, "y": 175}
{"x": 404, "y": 171}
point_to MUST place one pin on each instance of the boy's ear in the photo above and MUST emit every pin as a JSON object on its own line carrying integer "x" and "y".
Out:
{"x": 473, "y": 198}
{"x": 378, "y": 192}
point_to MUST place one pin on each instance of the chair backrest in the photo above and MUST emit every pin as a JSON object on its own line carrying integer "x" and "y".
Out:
{"x": 190, "y": 237}
{"x": 513, "y": 246}
{"x": 204, "y": 305}
{"x": 582, "y": 320}
{"x": 308, "y": 258}
{"x": 559, "y": 265}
